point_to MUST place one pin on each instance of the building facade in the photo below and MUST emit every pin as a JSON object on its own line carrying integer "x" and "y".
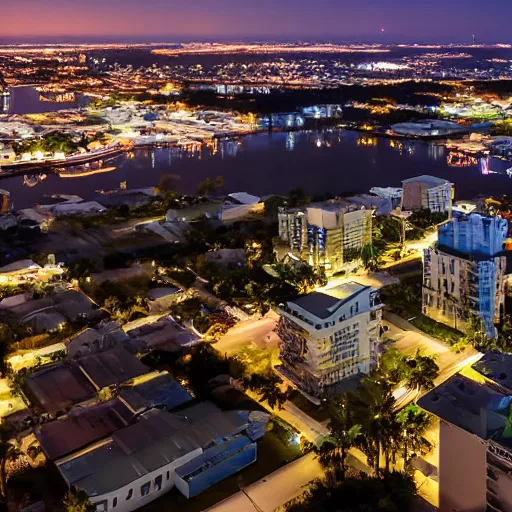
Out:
{"x": 475, "y": 443}
{"x": 427, "y": 192}
{"x": 327, "y": 234}
{"x": 464, "y": 275}
{"x": 329, "y": 337}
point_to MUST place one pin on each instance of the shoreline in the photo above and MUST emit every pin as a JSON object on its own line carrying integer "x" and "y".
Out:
{"x": 22, "y": 168}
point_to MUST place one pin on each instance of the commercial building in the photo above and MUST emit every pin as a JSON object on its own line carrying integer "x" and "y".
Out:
{"x": 465, "y": 273}
{"x": 329, "y": 337}
{"x": 427, "y": 192}
{"x": 475, "y": 442}
{"x": 326, "y": 234}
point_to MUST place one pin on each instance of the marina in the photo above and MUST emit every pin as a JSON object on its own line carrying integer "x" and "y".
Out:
{"x": 335, "y": 161}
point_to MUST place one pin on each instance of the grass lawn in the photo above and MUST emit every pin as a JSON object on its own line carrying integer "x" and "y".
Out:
{"x": 317, "y": 412}
{"x": 437, "y": 330}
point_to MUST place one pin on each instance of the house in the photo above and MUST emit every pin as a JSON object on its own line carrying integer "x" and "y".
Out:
{"x": 464, "y": 274}
{"x": 239, "y": 205}
{"x": 139, "y": 463}
{"x": 58, "y": 387}
{"x": 22, "y": 270}
{"x": 48, "y": 314}
{"x": 329, "y": 337}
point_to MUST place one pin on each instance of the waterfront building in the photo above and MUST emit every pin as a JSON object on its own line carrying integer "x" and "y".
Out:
{"x": 475, "y": 445}
{"x": 329, "y": 337}
{"x": 326, "y": 234}
{"x": 465, "y": 273}
{"x": 427, "y": 192}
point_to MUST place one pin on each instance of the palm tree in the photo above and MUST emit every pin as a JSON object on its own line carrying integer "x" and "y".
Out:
{"x": 392, "y": 366}
{"x": 423, "y": 370}
{"x": 413, "y": 423}
{"x": 77, "y": 500}
{"x": 333, "y": 450}
{"x": 373, "y": 405}
{"x": 370, "y": 257}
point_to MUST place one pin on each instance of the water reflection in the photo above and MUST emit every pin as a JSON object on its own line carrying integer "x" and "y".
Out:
{"x": 459, "y": 159}
{"x": 364, "y": 140}
{"x": 277, "y": 162}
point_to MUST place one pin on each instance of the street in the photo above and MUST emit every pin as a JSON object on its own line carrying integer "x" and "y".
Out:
{"x": 252, "y": 331}
{"x": 275, "y": 489}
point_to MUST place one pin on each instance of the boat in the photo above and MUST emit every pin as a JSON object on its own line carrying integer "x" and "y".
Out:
{"x": 80, "y": 171}
{"x": 34, "y": 179}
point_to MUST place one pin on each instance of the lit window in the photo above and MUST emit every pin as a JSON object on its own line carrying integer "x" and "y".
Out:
{"x": 144, "y": 490}
{"x": 158, "y": 483}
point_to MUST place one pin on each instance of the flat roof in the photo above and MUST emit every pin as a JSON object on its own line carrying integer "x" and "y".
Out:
{"x": 462, "y": 402}
{"x": 82, "y": 427}
{"x": 496, "y": 366}
{"x": 157, "y": 439}
{"x": 113, "y": 366}
{"x": 323, "y": 304}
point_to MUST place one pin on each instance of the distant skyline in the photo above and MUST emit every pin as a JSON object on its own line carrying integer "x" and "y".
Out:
{"x": 172, "y": 20}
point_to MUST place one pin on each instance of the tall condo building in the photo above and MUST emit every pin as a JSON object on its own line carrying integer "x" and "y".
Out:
{"x": 464, "y": 274}
{"x": 326, "y": 234}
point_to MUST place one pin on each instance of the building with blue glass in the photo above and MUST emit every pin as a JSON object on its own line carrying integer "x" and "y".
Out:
{"x": 464, "y": 273}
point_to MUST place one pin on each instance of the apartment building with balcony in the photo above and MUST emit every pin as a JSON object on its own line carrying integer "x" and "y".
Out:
{"x": 326, "y": 234}
{"x": 329, "y": 337}
{"x": 464, "y": 274}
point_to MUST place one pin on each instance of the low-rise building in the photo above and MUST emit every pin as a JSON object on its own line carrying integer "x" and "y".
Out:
{"x": 427, "y": 192}
{"x": 327, "y": 234}
{"x": 464, "y": 274}
{"x": 137, "y": 464}
{"x": 329, "y": 337}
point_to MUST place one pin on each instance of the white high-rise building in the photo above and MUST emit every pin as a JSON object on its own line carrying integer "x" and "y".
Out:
{"x": 330, "y": 336}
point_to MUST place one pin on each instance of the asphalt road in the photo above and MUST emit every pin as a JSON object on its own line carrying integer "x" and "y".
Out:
{"x": 247, "y": 333}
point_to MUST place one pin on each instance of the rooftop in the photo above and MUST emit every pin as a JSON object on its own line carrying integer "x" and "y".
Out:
{"x": 58, "y": 386}
{"x": 154, "y": 441}
{"x": 324, "y": 304}
{"x": 496, "y": 366}
{"x": 425, "y": 178}
{"x": 157, "y": 389}
{"x": 469, "y": 405}
{"x": 113, "y": 366}
{"x": 82, "y": 427}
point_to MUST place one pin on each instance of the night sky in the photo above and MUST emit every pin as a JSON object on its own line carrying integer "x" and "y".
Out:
{"x": 351, "y": 20}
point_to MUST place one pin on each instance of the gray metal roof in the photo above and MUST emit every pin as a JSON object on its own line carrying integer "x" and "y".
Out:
{"x": 114, "y": 366}
{"x": 323, "y": 304}
{"x": 154, "y": 441}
